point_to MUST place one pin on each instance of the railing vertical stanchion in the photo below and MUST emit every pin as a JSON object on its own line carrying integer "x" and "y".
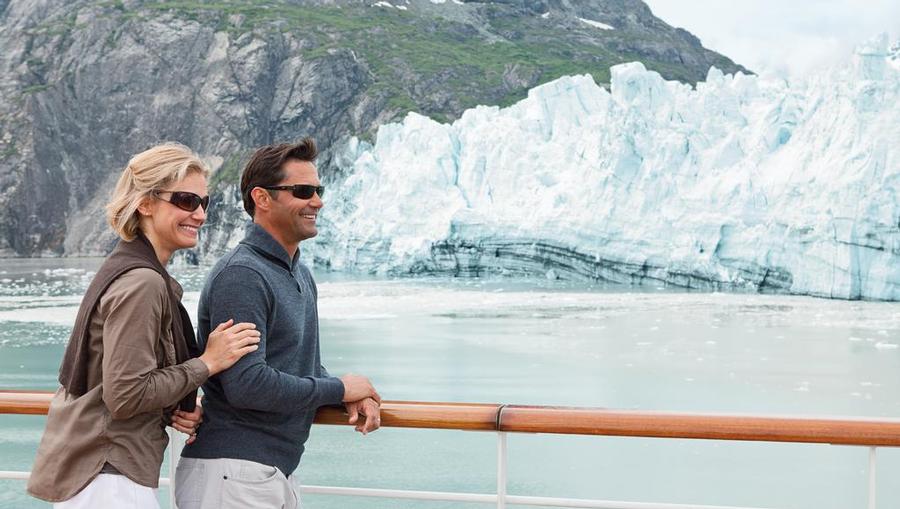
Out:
{"x": 501, "y": 470}
{"x": 176, "y": 443}
{"x": 171, "y": 452}
{"x": 872, "y": 473}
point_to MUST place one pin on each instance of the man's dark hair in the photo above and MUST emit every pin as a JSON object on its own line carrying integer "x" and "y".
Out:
{"x": 265, "y": 167}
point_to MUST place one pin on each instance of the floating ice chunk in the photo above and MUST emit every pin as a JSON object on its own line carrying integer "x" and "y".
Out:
{"x": 382, "y": 3}
{"x": 885, "y": 345}
{"x": 545, "y": 15}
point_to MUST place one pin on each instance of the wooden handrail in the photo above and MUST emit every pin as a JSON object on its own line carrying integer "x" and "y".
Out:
{"x": 636, "y": 423}
{"x": 585, "y": 421}
{"x": 416, "y": 414}
{"x": 25, "y": 402}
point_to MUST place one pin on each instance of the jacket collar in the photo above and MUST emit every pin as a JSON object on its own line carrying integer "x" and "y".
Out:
{"x": 262, "y": 242}
{"x": 146, "y": 248}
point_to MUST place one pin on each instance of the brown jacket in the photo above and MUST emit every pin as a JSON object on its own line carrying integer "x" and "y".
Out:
{"x": 133, "y": 384}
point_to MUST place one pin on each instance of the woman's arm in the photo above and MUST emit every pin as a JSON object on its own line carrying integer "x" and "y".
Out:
{"x": 133, "y": 308}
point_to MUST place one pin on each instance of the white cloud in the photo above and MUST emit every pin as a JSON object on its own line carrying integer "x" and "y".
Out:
{"x": 782, "y": 36}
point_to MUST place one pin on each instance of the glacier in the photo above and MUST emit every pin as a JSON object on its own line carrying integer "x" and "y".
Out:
{"x": 742, "y": 183}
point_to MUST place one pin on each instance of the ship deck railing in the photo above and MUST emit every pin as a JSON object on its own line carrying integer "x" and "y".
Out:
{"x": 505, "y": 419}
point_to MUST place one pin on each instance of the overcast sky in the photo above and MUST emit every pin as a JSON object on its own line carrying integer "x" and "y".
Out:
{"x": 783, "y": 36}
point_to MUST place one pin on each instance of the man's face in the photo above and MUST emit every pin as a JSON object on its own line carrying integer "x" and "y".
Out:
{"x": 295, "y": 219}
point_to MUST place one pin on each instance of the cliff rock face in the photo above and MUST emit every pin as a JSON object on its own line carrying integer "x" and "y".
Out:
{"x": 84, "y": 85}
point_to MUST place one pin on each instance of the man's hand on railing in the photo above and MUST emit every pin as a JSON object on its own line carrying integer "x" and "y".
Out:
{"x": 358, "y": 387}
{"x": 368, "y": 408}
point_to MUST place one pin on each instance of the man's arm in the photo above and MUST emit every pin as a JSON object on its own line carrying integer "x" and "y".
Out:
{"x": 241, "y": 293}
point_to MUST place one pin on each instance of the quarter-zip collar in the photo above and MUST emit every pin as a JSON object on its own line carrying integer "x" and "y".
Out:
{"x": 264, "y": 243}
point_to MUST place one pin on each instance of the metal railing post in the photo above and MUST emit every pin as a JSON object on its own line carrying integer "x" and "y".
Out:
{"x": 501, "y": 470}
{"x": 176, "y": 443}
{"x": 872, "y": 473}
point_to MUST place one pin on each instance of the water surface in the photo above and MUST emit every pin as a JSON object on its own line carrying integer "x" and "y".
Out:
{"x": 546, "y": 343}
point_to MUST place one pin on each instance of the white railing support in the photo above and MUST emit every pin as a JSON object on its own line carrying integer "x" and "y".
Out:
{"x": 501, "y": 470}
{"x": 13, "y": 474}
{"x": 444, "y": 496}
{"x": 872, "y": 473}
{"x": 176, "y": 444}
{"x": 608, "y": 504}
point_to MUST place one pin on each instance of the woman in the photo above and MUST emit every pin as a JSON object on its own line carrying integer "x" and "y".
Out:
{"x": 128, "y": 362}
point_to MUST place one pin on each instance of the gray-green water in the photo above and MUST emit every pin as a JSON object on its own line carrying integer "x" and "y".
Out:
{"x": 551, "y": 344}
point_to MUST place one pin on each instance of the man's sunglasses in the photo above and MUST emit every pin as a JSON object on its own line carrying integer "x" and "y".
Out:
{"x": 184, "y": 200}
{"x": 302, "y": 191}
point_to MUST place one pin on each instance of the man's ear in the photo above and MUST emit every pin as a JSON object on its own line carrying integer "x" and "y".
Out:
{"x": 261, "y": 198}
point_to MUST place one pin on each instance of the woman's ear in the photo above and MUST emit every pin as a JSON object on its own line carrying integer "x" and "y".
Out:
{"x": 145, "y": 207}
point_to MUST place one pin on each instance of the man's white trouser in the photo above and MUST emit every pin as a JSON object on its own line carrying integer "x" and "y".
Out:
{"x": 231, "y": 484}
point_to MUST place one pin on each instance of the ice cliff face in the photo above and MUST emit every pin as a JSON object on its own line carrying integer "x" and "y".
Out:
{"x": 741, "y": 183}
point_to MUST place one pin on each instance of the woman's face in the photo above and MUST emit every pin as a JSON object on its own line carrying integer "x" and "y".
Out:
{"x": 170, "y": 227}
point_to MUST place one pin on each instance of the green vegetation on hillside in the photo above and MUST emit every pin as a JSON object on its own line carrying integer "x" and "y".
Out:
{"x": 400, "y": 47}
{"x": 230, "y": 171}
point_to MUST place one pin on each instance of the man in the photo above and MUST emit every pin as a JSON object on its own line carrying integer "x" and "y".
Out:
{"x": 258, "y": 413}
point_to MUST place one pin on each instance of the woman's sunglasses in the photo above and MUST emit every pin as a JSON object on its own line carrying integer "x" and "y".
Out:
{"x": 302, "y": 191}
{"x": 184, "y": 200}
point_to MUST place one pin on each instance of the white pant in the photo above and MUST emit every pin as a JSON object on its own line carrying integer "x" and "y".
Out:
{"x": 227, "y": 483}
{"x": 111, "y": 491}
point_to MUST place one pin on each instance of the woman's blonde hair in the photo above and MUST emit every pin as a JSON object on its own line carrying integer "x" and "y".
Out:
{"x": 151, "y": 170}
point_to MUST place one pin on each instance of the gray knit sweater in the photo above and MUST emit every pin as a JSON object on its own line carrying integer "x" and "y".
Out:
{"x": 261, "y": 409}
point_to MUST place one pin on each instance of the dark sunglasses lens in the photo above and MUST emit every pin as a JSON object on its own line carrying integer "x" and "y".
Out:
{"x": 189, "y": 201}
{"x": 305, "y": 192}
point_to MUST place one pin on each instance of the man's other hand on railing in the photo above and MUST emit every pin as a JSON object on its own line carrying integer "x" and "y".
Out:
{"x": 367, "y": 408}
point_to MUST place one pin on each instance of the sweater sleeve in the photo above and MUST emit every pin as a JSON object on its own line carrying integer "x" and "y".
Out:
{"x": 241, "y": 293}
{"x": 133, "y": 311}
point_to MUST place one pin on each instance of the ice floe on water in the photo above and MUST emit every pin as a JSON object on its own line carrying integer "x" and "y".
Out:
{"x": 349, "y": 300}
{"x": 17, "y": 334}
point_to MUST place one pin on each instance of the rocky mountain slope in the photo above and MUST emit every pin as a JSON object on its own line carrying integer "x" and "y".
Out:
{"x": 83, "y": 85}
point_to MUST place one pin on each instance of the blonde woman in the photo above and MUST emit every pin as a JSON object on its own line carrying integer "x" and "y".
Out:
{"x": 129, "y": 363}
